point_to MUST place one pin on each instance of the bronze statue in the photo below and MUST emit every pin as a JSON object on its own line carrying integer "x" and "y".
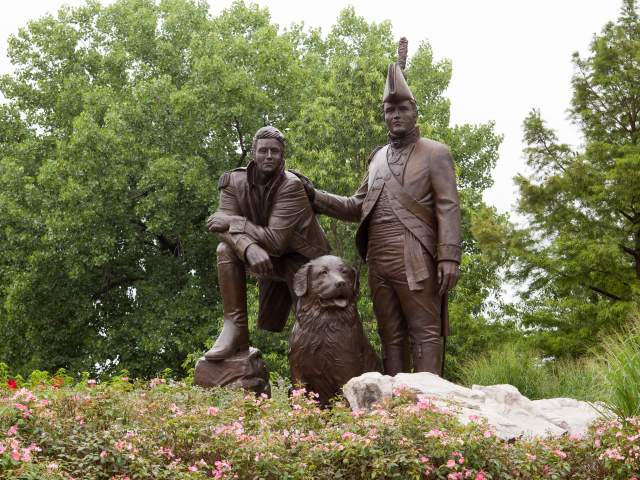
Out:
{"x": 264, "y": 221}
{"x": 409, "y": 232}
{"x": 328, "y": 345}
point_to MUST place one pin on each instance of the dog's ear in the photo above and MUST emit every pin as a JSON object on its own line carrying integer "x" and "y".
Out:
{"x": 301, "y": 280}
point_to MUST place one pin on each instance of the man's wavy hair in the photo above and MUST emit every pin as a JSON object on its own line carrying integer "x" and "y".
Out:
{"x": 267, "y": 132}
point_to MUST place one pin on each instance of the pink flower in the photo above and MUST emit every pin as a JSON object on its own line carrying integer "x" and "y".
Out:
{"x": 212, "y": 411}
{"x": 597, "y": 443}
{"x": 435, "y": 433}
{"x": 398, "y": 390}
{"x": 177, "y": 412}
{"x": 155, "y": 382}
{"x": 461, "y": 460}
{"x": 559, "y": 453}
{"x": 124, "y": 379}
{"x": 103, "y": 454}
{"x": 424, "y": 459}
{"x": 91, "y": 382}
{"x": 298, "y": 392}
{"x": 473, "y": 418}
{"x": 193, "y": 468}
{"x": 12, "y": 430}
{"x": 480, "y": 476}
{"x": 633, "y": 438}
{"x": 348, "y": 436}
{"x": 612, "y": 453}
{"x": 451, "y": 463}
{"x": 487, "y": 434}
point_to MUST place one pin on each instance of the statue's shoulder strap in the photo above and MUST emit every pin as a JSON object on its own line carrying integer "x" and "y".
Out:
{"x": 373, "y": 152}
{"x": 225, "y": 178}
{"x": 299, "y": 175}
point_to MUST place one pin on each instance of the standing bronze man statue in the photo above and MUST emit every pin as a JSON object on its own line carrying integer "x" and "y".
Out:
{"x": 409, "y": 232}
{"x": 265, "y": 222}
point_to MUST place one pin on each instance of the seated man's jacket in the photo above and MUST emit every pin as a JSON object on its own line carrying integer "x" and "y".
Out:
{"x": 280, "y": 219}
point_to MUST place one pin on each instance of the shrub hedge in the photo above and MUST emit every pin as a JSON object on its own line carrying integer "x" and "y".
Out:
{"x": 54, "y": 428}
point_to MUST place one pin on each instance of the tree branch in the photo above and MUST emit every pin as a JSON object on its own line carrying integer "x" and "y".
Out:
{"x": 243, "y": 149}
{"x": 606, "y": 294}
{"x": 634, "y": 253}
{"x": 635, "y": 218}
{"x": 128, "y": 280}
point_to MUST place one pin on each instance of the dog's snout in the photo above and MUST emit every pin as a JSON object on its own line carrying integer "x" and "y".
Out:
{"x": 338, "y": 280}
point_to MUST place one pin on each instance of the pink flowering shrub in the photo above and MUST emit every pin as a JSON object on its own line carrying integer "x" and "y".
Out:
{"x": 126, "y": 429}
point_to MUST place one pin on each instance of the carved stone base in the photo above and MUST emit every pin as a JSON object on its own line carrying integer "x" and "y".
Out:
{"x": 246, "y": 370}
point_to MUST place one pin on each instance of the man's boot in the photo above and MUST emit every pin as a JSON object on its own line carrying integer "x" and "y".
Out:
{"x": 427, "y": 356}
{"x": 395, "y": 360}
{"x": 234, "y": 337}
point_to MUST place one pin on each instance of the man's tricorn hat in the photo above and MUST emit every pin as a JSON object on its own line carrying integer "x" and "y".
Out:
{"x": 396, "y": 88}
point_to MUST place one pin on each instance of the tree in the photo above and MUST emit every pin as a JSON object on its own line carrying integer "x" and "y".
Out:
{"x": 580, "y": 253}
{"x": 119, "y": 121}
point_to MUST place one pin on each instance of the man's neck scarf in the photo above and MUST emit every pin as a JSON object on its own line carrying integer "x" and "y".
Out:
{"x": 261, "y": 196}
{"x": 401, "y": 141}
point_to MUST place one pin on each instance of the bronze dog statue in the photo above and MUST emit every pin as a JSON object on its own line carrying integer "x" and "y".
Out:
{"x": 328, "y": 345}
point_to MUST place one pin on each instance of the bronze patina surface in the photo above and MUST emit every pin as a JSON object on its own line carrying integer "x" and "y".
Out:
{"x": 409, "y": 232}
{"x": 328, "y": 345}
{"x": 267, "y": 226}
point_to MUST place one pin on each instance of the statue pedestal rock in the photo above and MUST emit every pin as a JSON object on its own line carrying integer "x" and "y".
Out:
{"x": 246, "y": 370}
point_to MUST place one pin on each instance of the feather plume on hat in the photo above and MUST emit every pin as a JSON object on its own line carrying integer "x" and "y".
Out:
{"x": 396, "y": 88}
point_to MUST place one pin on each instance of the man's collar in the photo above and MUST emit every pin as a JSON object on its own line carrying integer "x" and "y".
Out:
{"x": 252, "y": 173}
{"x": 400, "y": 141}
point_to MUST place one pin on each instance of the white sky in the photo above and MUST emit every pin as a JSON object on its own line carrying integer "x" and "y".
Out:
{"x": 509, "y": 56}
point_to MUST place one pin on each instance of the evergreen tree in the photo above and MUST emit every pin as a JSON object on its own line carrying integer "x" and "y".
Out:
{"x": 580, "y": 253}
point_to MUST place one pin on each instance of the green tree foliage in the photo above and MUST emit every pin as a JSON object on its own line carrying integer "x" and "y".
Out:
{"x": 580, "y": 253}
{"x": 118, "y": 123}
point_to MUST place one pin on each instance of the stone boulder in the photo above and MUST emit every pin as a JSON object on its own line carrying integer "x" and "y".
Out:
{"x": 511, "y": 414}
{"x": 574, "y": 416}
{"x": 246, "y": 370}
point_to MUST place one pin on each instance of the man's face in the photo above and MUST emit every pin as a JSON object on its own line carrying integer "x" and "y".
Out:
{"x": 400, "y": 117}
{"x": 268, "y": 156}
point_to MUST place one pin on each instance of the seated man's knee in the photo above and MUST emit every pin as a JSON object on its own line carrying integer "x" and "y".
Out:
{"x": 225, "y": 252}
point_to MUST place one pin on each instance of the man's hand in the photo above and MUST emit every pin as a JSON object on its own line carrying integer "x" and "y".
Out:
{"x": 218, "y": 222}
{"x": 258, "y": 259}
{"x": 448, "y": 273}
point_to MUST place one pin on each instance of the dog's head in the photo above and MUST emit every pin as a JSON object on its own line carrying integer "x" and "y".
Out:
{"x": 327, "y": 280}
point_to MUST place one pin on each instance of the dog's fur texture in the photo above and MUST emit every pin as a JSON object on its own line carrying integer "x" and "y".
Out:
{"x": 328, "y": 345}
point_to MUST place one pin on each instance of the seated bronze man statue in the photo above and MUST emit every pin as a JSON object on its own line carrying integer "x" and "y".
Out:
{"x": 265, "y": 222}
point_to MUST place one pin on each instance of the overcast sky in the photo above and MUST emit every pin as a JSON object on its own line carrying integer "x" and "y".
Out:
{"x": 509, "y": 56}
